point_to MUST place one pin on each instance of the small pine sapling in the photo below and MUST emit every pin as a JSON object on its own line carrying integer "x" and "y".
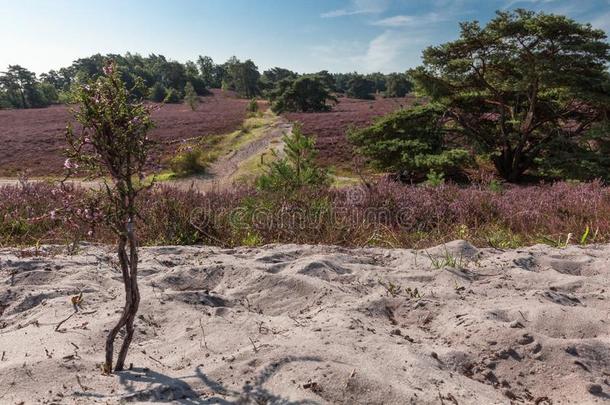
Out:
{"x": 190, "y": 96}
{"x": 298, "y": 169}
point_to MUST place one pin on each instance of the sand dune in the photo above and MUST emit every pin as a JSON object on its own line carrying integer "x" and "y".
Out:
{"x": 312, "y": 324}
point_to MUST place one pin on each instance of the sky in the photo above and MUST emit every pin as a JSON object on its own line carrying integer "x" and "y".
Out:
{"x": 302, "y": 35}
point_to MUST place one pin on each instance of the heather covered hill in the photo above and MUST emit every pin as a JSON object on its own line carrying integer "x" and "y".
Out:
{"x": 329, "y": 128}
{"x": 33, "y": 139}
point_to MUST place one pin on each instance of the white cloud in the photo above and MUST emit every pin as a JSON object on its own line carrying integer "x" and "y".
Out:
{"x": 511, "y": 3}
{"x": 359, "y": 7}
{"x": 410, "y": 20}
{"x": 385, "y": 50}
{"x": 342, "y": 55}
{"x": 391, "y": 51}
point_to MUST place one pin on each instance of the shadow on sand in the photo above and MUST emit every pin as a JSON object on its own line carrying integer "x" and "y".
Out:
{"x": 163, "y": 388}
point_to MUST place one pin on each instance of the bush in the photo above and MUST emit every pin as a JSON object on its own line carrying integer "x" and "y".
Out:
{"x": 189, "y": 161}
{"x": 171, "y": 96}
{"x": 157, "y": 93}
{"x": 410, "y": 143}
{"x": 190, "y": 96}
{"x": 298, "y": 169}
{"x": 305, "y": 94}
{"x": 361, "y": 87}
{"x": 435, "y": 179}
{"x": 252, "y": 106}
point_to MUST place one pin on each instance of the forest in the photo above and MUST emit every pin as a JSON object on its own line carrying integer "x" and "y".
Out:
{"x": 160, "y": 79}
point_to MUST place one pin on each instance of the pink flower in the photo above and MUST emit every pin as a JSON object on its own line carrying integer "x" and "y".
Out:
{"x": 108, "y": 69}
{"x": 70, "y": 165}
{"x": 53, "y": 215}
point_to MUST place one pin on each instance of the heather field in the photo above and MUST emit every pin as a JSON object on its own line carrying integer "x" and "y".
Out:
{"x": 386, "y": 215}
{"x": 330, "y": 127}
{"x": 33, "y": 140}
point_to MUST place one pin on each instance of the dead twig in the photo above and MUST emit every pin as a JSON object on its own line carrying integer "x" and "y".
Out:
{"x": 62, "y": 322}
{"x": 523, "y": 316}
{"x": 205, "y": 344}
{"x": 349, "y": 378}
{"x": 82, "y": 387}
{"x": 152, "y": 358}
{"x": 10, "y": 387}
{"x": 253, "y": 345}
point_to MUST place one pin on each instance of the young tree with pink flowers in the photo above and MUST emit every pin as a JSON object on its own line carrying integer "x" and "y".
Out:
{"x": 111, "y": 144}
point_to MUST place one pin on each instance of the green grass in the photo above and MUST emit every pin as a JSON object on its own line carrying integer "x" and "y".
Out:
{"x": 198, "y": 154}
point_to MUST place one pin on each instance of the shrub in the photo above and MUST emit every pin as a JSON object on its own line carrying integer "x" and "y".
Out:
{"x": 112, "y": 142}
{"x": 157, "y": 92}
{"x": 252, "y": 106}
{"x": 190, "y": 96}
{"x": 435, "y": 179}
{"x": 171, "y": 96}
{"x": 410, "y": 143}
{"x": 305, "y": 94}
{"x": 298, "y": 169}
{"x": 188, "y": 161}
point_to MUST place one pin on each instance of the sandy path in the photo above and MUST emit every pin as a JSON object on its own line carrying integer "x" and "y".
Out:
{"x": 295, "y": 324}
{"x": 222, "y": 172}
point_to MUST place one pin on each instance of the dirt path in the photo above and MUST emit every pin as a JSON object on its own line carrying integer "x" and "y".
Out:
{"x": 224, "y": 171}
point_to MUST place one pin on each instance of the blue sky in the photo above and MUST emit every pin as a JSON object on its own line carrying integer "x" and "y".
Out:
{"x": 303, "y": 35}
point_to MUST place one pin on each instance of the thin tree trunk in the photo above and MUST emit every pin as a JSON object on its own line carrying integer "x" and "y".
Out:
{"x": 127, "y": 309}
{"x": 134, "y": 299}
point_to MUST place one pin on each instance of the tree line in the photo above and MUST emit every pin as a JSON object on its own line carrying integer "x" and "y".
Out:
{"x": 159, "y": 79}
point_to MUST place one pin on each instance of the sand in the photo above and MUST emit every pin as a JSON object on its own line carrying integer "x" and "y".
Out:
{"x": 312, "y": 324}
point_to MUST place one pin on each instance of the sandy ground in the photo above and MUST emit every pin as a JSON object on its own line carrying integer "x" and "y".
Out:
{"x": 312, "y": 324}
